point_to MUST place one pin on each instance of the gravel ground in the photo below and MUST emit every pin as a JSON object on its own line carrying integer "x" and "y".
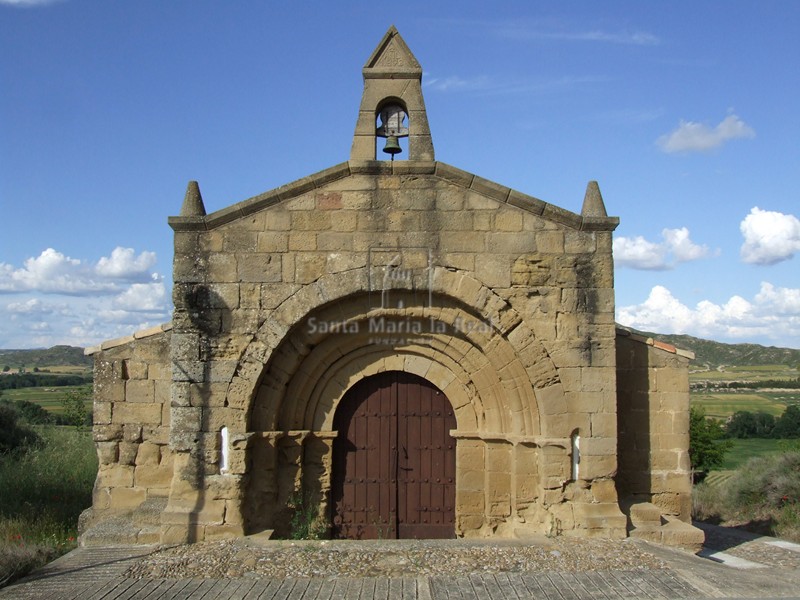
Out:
{"x": 751, "y": 547}
{"x": 244, "y": 558}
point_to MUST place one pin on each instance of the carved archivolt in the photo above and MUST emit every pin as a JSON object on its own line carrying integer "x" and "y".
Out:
{"x": 459, "y": 335}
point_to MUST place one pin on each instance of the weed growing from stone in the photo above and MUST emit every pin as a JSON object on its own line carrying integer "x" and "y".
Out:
{"x": 306, "y": 522}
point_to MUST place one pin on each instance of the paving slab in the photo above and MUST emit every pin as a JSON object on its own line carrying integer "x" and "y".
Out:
{"x": 99, "y": 574}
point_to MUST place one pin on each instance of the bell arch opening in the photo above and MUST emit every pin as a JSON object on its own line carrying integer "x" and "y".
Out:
{"x": 391, "y": 129}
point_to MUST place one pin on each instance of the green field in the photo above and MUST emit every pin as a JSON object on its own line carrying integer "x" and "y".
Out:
{"x": 744, "y": 373}
{"x": 745, "y": 449}
{"x": 58, "y": 370}
{"x": 718, "y": 478}
{"x": 48, "y": 397}
{"x": 69, "y": 370}
{"x": 740, "y": 453}
{"x": 721, "y": 405}
{"x": 786, "y": 397}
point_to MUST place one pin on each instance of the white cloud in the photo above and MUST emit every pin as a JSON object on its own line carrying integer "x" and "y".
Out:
{"x": 28, "y": 3}
{"x": 769, "y": 237}
{"x": 635, "y": 38}
{"x": 124, "y": 264}
{"x": 29, "y": 307}
{"x": 55, "y": 273}
{"x": 488, "y": 86}
{"x": 84, "y": 321}
{"x": 698, "y": 137}
{"x": 676, "y": 247}
{"x": 682, "y": 248}
{"x": 142, "y": 297}
{"x": 773, "y": 313}
{"x": 779, "y": 301}
{"x": 454, "y": 83}
{"x": 51, "y": 272}
{"x": 630, "y": 115}
{"x": 110, "y": 298}
{"x": 638, "y": 253}
{"x": 526, "y": 30}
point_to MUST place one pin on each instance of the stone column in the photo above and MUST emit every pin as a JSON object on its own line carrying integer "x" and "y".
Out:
{"x": 317, "y": 472}
{"x": 470, "y": 484}
{"x": 260, "y": 503}
{"x": 290, "y": 478}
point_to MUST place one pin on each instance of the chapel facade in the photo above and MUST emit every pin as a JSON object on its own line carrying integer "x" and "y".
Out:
{"x": 393, "y": 349}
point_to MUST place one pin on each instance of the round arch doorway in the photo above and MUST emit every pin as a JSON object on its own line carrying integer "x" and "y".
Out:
{"x": 394, "y": 460}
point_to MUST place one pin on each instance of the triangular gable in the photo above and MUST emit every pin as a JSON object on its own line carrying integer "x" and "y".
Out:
{"x": 468, "y": 181}
{"x": 392, "y": 55}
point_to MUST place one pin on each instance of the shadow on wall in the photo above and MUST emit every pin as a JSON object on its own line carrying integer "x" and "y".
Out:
{"x": 633, "y": 421}
{"x": 197, "y": 323}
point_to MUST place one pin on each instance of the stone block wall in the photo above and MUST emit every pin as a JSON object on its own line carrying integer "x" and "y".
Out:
{"x": 653, "y": 414}
{"x": 132, "y": 381}
{"x": 254, "y": 283}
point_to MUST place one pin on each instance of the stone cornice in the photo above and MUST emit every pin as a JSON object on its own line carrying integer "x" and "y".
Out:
{"x": 621, "y": 331}
{"x": 464, "y": 179}
{"x": 138, "y": 335}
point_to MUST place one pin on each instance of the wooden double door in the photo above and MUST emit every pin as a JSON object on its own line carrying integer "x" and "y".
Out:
{"x": 394, "y": 460}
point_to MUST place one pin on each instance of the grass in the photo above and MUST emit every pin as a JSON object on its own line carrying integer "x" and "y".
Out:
{"x": 42, "y": 493}
{"x": 48, "y": 398}
{"x": 762, "y": 495}
{"x": 744, "y": 450}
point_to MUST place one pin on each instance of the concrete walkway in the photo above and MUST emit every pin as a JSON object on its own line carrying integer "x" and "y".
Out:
{"x": 96, "y": 574}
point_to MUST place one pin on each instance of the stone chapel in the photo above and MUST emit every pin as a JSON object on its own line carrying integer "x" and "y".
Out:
{"x": 395, "y": 348}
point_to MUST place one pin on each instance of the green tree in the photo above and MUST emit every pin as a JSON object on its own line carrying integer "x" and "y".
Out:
{"x": 14, "y": 435}
{"x": 744, "y": 424}
{"x": 707, "y": 447}
{"x": 30, "y": 412}
{"x": 76, "y": 411}
{"x": 788, "y": 424}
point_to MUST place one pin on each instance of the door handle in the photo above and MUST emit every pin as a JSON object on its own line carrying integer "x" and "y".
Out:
{"x": 405, "y": 456}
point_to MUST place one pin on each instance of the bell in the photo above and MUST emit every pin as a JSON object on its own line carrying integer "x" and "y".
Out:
{"x": 392, "y": 146}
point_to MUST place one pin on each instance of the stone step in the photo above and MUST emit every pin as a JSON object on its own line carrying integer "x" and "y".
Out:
{"x": 141, "y": 526}
{"x": 648, "y": 533}
{"x": 149, "y": 512}
{"x": 644, "y": 513}
{"x": 120, "y": 530}
{"x": 683, "y": 535}
{"x": 600, "y": 515}
{"x": 673, "y": 532}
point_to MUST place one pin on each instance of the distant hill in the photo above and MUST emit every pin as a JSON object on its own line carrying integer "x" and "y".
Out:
{"x": 715, "y": 354}
{"x": 707, "y": 352}
{"x": 67, "y": 356}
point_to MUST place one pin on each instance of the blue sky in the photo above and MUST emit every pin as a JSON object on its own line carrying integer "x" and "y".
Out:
{"x": 685, "y": 112}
